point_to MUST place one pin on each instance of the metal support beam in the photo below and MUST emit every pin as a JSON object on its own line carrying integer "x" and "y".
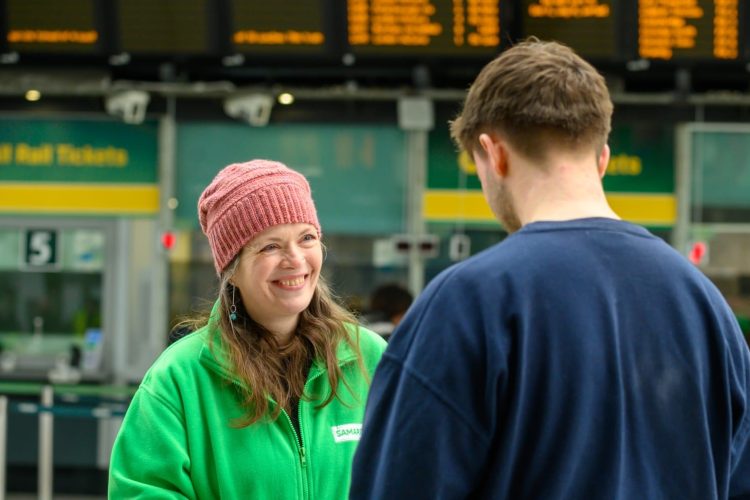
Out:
{"x": 3, "y": 443}
{"x": 45, "y": 461}
{"x": 416, "y": 163}
{"x": 79, "y": 84}
{"x": 160, "y": 274}
{"x": 416, "y": 117}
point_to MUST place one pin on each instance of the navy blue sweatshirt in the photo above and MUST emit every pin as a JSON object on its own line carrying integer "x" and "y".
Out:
{"x": 583, "y": 359}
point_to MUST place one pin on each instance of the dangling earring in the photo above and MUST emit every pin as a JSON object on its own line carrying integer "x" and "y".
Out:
{"x": 233, "y": 307}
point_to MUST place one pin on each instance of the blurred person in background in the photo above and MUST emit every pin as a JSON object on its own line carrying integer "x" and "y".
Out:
{"x": 388, "y": 304}
{"x": 581, "y": 357}
{"x": 266, "y": 398}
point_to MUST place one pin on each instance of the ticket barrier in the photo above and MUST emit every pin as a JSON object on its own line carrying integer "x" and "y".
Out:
{"x": 96, "y": 402}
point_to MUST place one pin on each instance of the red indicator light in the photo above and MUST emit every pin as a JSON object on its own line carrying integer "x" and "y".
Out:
{"x": 698, "y": 252}
{"x": 168, "y": 240}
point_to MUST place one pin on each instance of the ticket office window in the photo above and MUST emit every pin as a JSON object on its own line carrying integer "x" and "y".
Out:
{"x": 51, "y": 289}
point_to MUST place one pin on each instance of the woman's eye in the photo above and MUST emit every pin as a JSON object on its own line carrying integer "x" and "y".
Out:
{"x": 268, "y": 248}
{"x": 309, "y": 237}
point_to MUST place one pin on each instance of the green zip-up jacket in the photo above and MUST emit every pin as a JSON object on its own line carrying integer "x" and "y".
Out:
{"x": 176, "y": 440}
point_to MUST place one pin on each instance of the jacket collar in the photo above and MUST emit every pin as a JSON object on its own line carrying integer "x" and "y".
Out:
{"x": 213, "y": 354}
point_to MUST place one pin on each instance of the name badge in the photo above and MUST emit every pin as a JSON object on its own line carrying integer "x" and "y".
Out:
{"x": 346, "y": 432}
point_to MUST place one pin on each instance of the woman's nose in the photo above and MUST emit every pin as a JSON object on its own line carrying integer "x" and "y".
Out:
{"x": 294, "y": 255}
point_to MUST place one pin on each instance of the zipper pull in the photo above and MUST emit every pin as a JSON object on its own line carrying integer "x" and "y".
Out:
{"x": 302, "y": 456}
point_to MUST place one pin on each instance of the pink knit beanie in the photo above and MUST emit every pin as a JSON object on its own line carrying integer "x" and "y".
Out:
{"x": 246, "y": 198}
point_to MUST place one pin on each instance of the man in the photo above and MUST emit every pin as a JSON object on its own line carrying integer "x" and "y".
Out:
{"x": 582, "y": 357}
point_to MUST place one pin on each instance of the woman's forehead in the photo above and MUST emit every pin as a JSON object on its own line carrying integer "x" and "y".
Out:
{"x": 284, "y": 230}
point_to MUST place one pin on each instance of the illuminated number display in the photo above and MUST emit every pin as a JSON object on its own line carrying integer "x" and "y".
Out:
{"x": 261, "y": 26}
{"x": 447, "y": 27}
{"x": 52, "y": 26}
{"x": 588, "y": 26}
{"x": 700, "y": 29}
{"x": 163, "y": 26}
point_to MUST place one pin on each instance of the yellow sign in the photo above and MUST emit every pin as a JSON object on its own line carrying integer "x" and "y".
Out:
{"x": 451, "y": 205}
{"x": 100, "y": 199}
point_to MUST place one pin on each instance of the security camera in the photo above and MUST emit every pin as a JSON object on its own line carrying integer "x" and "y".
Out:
{"x": 128, "y": 105}
{"x": 254, "y": 109}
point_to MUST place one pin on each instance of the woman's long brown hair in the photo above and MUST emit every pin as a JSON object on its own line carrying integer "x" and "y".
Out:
{"x": 269, "y": 370}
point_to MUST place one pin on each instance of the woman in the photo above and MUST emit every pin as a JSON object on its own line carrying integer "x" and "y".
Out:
{"x": 266, "y": 399}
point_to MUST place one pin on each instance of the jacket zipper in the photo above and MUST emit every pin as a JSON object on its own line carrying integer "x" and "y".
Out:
{"x": 298, "y": 440}
{"x": 301, "y": 451}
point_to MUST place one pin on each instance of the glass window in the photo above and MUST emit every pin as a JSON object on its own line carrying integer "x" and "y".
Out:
{"x": 50, "y": 295}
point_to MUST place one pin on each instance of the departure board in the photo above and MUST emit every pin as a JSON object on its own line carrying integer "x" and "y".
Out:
{"x": 262, "y": 26}
{"x": 429, "y": 27}
{"x": 588, "y": 26}
{"x": 696, "y": 29}
{"x": 458, "y": 34}
{"x": 163, "y": 26}
{"x": 54, "y": 26}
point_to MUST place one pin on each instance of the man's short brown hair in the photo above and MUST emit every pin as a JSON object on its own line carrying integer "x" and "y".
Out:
{"x": 534, "y": 93}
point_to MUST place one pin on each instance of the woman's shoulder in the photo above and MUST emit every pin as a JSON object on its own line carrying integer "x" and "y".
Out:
{"x": 181, "y": 356}
{"x": 371, "y": 345}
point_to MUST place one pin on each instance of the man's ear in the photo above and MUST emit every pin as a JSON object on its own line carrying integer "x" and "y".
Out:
{"x": 496, "y": 152}
{"x": 603, "y": 161}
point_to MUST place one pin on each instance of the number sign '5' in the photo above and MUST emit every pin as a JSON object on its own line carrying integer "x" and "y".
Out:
{"x": 41, "y": 249}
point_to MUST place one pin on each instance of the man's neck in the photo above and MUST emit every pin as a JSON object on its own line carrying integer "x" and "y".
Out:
{"x": 564, "y": 192}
